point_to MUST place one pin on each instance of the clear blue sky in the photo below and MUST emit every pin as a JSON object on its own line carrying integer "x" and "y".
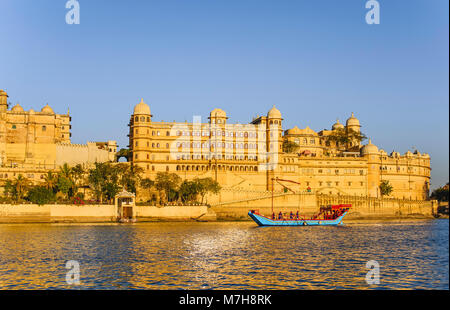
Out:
{"x": 315, "y": 60}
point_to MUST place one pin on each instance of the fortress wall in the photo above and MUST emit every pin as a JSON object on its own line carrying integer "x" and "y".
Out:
{"x": 29, "y": 213}
{"x": 71, "y": 154}
{"x": 239, "y": 203}
{"x": 170, "y": 212}
{"x": 24, "y": 213}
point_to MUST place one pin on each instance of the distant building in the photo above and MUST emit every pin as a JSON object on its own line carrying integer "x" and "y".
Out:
{"x": 33, "y": 141}
{"x": 249, "y": 156}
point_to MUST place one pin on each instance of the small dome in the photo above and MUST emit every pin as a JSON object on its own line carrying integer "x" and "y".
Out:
{"x": 218, "y": 113}
{"x": 3, "y": 93}
{"x": 17, "y": 108}
{"x": 142, "y": 108}
{"x": 338, "y": 125}
{"x": 274, "y": 113}
{"x": 369, "y": 149}
{"x": 47, "y": 109}
{"x": 352, "y": 121}
{"x": 31, "y": 111}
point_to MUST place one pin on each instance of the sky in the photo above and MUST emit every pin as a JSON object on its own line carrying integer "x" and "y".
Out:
{"x": 315, "y": 60}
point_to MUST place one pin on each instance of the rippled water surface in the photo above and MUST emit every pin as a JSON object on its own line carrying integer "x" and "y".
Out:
{"x": 231, "y": 255}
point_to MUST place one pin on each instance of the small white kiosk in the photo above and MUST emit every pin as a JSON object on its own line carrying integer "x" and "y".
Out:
{"x": 125, "y": 202}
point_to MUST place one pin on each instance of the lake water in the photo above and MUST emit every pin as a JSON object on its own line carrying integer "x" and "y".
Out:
{"x": 225, "y": 255}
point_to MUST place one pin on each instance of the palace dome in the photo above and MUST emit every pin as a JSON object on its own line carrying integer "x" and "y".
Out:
{"x": 337, "y": 125}
{"x": 47, "y": 109}
{"x": 218, "y": 113}
{"x": 142, "y": 108}
{"x": 3, "y": 93}
{"x": 274, "y": 113}
{"x": 294, "y": 131}
{"x": 17, "y": 108}
{"x": 352, "y": 121}
{"x": 369, "y": 149}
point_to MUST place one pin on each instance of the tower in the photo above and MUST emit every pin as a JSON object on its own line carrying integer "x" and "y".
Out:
{"x": 139, "y": 129}
{"x": 3, "y": 101}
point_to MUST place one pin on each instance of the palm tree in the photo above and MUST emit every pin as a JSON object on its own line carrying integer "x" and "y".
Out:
{"x": 50, "y": 181}
{"x": 77, "y": 173}
{"x": 21, "y": 185}
{"x": 65, "y": 171}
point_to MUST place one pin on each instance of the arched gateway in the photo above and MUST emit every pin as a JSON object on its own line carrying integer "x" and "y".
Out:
{"x": 125, "y": 202}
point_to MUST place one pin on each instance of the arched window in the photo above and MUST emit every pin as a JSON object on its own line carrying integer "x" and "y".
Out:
{"x": 142, "y": 119}
{"x": 44, "y": 128}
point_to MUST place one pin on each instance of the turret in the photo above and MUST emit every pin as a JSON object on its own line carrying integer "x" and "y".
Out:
{"x": 3, "y": 101}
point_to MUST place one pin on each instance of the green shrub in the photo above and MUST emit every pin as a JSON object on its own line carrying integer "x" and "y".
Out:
{"x": 41, "y": 195}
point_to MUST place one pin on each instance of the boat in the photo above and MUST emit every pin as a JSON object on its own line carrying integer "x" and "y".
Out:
{"x": 331, "y": 215}
{"x": 324, "y": 218}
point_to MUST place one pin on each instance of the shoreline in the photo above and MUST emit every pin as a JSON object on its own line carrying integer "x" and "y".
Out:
{"x": 181, "y": 221}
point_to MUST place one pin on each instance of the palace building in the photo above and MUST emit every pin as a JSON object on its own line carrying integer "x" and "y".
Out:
{"x": 33, "y": 142}
{"x": 249, "y": 156}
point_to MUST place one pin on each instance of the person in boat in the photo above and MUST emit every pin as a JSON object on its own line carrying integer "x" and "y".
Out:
{"x": 291, "y": 215}
{"x": 297, "y": 215}
{"x": 280, "y": 216}
{"x": 273, "y": 215}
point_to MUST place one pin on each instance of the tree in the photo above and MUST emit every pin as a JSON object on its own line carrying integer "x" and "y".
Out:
{"x": 9, "y": 189}
{"x": 130, "y": 177}
{"x": 50, "y": 180}
{"x": 41, "y": 195}
{"x": 207, "y": 185}
{"x": 168, "y": 184}
{"x": 104, "y": 181}
{"x": 147, "y": 183}
{"x": 189, "y": 191}
{"x": 341, "y": 136}
{"x": 78, "y": 173}
{"x": 64, "y": 185}
{"x": 290, "y": 147}
{"x": 385, "y": 188}
{"x": 21, "y": 185}
{"x": 441, "y": 193}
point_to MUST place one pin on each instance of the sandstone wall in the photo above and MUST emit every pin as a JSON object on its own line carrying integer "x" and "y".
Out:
{"x": 237, "y": 205}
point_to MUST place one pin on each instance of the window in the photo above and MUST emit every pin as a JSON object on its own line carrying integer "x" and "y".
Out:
{"x": 14, "y": 127}
{"x": 44, "y": 128}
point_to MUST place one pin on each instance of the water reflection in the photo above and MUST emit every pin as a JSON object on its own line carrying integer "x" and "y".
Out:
{"x": 225, "y": 256}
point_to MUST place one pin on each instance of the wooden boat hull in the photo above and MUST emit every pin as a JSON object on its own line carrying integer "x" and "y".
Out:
{"x": 264, "y": 221}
